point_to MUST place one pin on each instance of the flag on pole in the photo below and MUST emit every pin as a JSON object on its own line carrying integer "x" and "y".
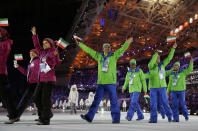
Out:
{"x": 3, "y": 21}
{"x": 171, "y": 38}
{"x": 147, "y": 98}
{"x": 62, "y": 43}
{"x": 191, "y": 20}
{"x": 187, "y": 54}
{"x": 18, "y": 57}
{"x": 77, "y": 38}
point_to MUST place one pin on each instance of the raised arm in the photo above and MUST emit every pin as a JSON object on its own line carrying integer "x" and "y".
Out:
{"x": 90, "y": 51}
{"x": 153, "y": 61}
{"x": 170, "y": 56}
{"x": 121, "y": 51}
{"x": 190, "y": 67}
{"x": 36, "y": 40}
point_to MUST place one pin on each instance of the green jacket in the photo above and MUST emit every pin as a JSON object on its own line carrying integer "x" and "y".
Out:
{"x": 138, "y": 81}
{"x": 154, "y": 69}
{"x": 108, "y": 77}
{"x": 179, "y": 77}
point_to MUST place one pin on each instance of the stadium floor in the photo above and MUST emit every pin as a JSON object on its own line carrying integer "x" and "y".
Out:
{"x": 63, "y": 121}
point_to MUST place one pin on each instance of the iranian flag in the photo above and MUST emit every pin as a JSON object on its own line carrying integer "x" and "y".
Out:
{"x": 77, "y": 38}
{"x": 3, "y": 21}
{"x": 18, "y": 57}
{"x": 146, "y": 96}
{"x": 62, "y": 43}
{"x": 171, "y": 38}
{"x": 187, "y": 54}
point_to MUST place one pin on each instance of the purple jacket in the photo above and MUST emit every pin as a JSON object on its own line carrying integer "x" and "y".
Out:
{"x": 32, "y": 72}
{"x": 5, "y": 48}
{"x": 51, "y": 60}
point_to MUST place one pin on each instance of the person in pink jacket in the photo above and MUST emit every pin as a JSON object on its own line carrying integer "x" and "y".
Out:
{"x": 5, "y": 48}
{"x": 32, "y": 73}
{"x": 49, "y": 58}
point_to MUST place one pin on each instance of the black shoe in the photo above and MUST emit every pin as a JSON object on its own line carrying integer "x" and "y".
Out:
{"x": 116, "y": 122}
{"x": 175, "y": 120}
{"x": 152, "y": 121}
{"x": 37, "y": 119}
{"x": 34, "y": 113}
{"x": 46, "y": 122}
{"x": 127, "y": 118}
{"x": 51, "y": 115}
{"x": 85, "y": 118}
{"x": 139, "y": 119}
{"x": 11, "y": 121}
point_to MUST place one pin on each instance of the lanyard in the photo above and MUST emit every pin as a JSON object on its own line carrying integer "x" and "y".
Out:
{"x": 175, "y": 76}
{"x": 43, "y": 56}
{"x": 131, "y": 75}
{"x": 105, "y": 59}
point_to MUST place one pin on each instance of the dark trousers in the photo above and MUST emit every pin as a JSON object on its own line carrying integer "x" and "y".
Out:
{"x": 6, "y": 97}
{"x": 26, "y": 99}
{"x": 43, "y": 100}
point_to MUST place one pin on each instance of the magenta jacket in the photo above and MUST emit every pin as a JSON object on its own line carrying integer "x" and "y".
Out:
{"x": 32, "y": 72}
{"x": 51, "y": 60}
{"x": 5, "y": 48}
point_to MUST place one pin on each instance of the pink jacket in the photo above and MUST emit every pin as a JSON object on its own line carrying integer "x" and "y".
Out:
{"x": 51, "y": 60}
{"x": 5, "y": 48}
{"x": 32, "y": 72}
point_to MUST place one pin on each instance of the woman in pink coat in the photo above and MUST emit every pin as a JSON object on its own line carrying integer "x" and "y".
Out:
{"x": 5, "y": 48}
{"x": 32, "y": 73}
{"x": 49, "y": 58}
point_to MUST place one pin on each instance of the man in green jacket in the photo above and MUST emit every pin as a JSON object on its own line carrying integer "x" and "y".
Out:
{"x": 157, "y": 83}
{"x": 160, "y": 106}
{"x": 106, "y": 78}
{"x": 135, "y": 80}
{"x": 177, "y": 87}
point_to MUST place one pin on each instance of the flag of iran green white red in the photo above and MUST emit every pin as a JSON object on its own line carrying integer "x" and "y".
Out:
{"x": 77, "y": 38}
{"x": 18, "y": 57}
{"x": 187, "y": 54}
{"x": 171, "y": 38}
{"x": 62, "y": 43}
{"x": 3, "y": 21}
